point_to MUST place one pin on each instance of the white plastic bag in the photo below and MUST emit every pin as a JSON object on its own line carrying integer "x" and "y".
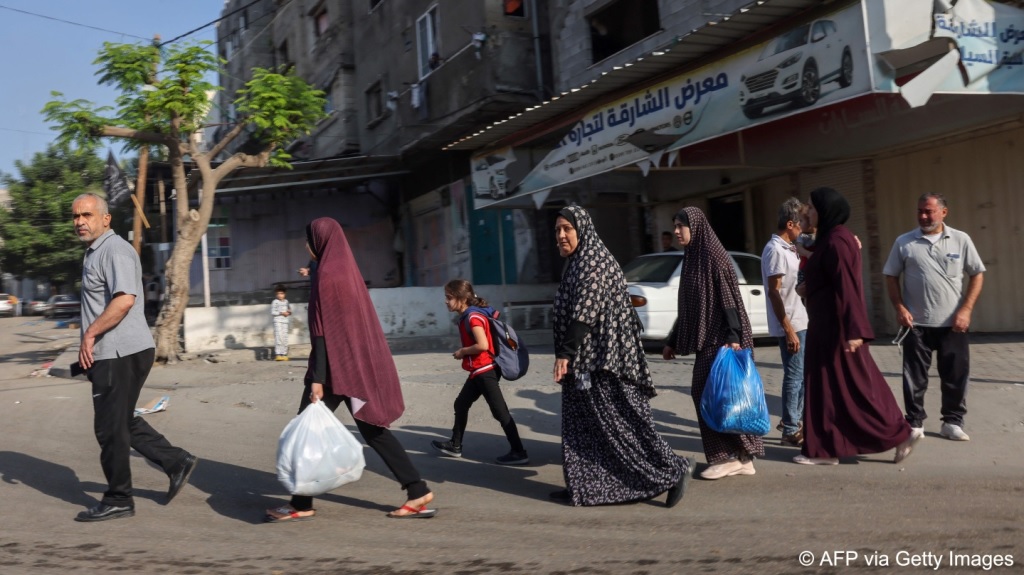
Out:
{"x": 316, "y": 453}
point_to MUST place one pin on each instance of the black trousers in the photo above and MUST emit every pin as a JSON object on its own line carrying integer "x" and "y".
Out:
{"x": 381, "y": 440}
{"x": 487, "y": 385}
{"x": 954, "y": 365}
{"x": 116, "y": 385}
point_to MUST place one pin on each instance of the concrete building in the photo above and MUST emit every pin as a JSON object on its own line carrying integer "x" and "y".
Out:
{"x": 733, "y": 106}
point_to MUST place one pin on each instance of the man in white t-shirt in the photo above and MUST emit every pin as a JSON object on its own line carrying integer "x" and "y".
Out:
{"x": 933, "y": 261}
{"x": 787, "y": 316}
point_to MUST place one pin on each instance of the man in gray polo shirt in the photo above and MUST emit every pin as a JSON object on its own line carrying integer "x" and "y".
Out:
{"x": 117, "y": 352}
{"x": 787, "y": 316}
{"x": 933, "y": 260}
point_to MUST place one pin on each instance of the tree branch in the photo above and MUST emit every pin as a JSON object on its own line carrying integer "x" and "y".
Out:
{"x": 241, "y": 160}
{"x": 227, "y": 139}
{"x": 150, "y": 137}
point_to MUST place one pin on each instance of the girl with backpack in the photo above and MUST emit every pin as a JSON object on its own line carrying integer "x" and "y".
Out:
{"x": 477, "y": 358}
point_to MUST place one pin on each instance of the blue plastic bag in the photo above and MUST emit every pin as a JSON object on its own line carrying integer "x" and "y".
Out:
{"x": 733, "y": 398}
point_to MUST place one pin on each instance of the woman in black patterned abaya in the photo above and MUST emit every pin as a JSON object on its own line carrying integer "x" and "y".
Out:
{"x": 612, "y": 452}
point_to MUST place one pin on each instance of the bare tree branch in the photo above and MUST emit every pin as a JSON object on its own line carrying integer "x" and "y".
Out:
{"x": 226, "y": 140}
{"x": 141, "y": 136}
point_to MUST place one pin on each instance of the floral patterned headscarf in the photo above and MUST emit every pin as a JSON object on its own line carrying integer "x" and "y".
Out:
{"x": 593, "y": 291}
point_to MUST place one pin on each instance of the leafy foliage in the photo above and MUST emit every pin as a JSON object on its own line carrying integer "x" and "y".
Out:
{"x": 281, "y": 106}
{"x": 164, "y": 97}
{"x": 38, "y": 234}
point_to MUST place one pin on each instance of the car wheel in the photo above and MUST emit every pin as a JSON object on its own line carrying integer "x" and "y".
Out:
{"x": 810, "y": 86}
{"x": 753, "y": 112}
{"x": 846, "y": 70}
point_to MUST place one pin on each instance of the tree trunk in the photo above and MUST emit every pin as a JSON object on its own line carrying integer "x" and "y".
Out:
{"x": 192, "y": 225}
{"x": 168, "y": 323}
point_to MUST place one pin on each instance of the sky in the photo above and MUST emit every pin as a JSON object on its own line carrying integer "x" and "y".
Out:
{"x": 44, "y": 55}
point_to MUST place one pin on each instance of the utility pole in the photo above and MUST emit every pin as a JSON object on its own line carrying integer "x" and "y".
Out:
{"x": 140, "y": 183}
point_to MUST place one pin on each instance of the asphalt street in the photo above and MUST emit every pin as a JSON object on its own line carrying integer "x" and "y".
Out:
{"x": 949, "y": 502}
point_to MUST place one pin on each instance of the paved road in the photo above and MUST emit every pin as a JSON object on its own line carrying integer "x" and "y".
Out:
{"x": 229, "y": 409}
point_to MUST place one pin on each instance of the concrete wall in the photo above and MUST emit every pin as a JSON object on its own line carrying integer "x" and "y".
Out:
{"x": 411, "y": 317}
{"x": 570, "y": 33}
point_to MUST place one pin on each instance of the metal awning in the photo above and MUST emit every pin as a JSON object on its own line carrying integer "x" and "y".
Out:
{"x": 311, "y": 174}
{"x": 612, "y": 80}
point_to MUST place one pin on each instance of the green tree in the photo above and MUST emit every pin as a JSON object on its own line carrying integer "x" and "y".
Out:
{"x": 163, "y": 100}
{"x": 39, "y": 239}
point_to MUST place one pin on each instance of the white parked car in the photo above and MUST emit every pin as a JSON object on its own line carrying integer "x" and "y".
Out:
{"x": 793, "y": 66}
{"x": 654, "y": 287}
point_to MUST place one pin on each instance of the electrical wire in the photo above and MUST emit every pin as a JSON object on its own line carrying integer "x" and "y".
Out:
{"x": 190, "y": 32}
{"x": 71, "y": 23}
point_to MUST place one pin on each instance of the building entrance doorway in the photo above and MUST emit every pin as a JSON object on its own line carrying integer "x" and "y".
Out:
{"x": 727, "y": 217}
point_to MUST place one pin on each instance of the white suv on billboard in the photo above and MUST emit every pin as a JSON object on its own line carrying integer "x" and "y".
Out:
{"x": 793, "y": 66}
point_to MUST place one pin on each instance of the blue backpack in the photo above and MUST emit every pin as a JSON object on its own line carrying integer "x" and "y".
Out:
{"x": 509, "y": 351}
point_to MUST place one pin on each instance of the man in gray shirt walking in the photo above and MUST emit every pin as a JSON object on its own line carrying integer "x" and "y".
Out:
{"x": 934, "y": 308}
{"x": 117, "y": 352}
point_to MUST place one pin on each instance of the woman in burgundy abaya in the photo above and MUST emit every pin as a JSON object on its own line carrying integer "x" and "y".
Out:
{"x": 850, "y": 409}
{"x": 351, "y": 363}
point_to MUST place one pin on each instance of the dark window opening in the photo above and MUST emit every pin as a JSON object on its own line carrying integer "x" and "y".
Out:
{"x": 375, "y": 108}
{"x": 374, "y": 3}
{"x": 622, "y": 24}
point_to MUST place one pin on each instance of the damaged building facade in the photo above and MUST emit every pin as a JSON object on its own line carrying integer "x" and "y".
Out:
{"x": 457, "y": 129}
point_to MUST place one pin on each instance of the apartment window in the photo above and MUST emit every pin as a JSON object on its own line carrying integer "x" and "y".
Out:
{"x": 229, "y": 46}
{"x": 218, "y": 243}
{"x": 243, "y": 23}
{"x": 375, "y": 107}
{"x": 515, "y": 8}
{"x": 620, "y": 25}
{"x": 429, "y": 56}
{"x": 320, "y": 21}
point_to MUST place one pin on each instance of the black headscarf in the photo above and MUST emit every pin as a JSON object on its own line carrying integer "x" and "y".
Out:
{"x": 832, "y": 208}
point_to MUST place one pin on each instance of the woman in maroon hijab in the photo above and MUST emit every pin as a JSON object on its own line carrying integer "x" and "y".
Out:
{"x": 350, "y": 362}
{"x": 850, "y": 409}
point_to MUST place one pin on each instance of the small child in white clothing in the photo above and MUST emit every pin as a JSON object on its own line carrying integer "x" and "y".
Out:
{"x": 280, "y": 310}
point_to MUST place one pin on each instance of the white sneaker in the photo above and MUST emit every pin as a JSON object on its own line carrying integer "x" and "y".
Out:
{"x": 917, "y": 432}
{"x": 802, "y": 460}
{"x": 727, "y": 468}
{"x": 747, "y": 468}
{"x": 954, "y": 432}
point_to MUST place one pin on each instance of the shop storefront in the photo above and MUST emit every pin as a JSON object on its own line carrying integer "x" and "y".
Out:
{"x": 881, "y": 99}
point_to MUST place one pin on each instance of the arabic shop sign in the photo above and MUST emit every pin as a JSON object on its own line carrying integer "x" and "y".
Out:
{"x": 985, "y": 43}
{"x": 815, "y": 64}
{"x": 990, "y": 38}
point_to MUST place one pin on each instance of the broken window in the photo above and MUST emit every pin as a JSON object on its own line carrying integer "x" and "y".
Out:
{"x": 429, "y": 56}
{"x": 620, "y": 25}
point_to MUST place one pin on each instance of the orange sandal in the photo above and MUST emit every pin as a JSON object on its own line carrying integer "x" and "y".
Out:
{"x": 287, "y": 514}
{"x": 413, "y": 513}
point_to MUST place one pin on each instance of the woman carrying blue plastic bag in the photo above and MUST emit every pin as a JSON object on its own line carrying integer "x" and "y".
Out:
{"x": 733, "y": 399}
{"x": 711, "y": 315}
